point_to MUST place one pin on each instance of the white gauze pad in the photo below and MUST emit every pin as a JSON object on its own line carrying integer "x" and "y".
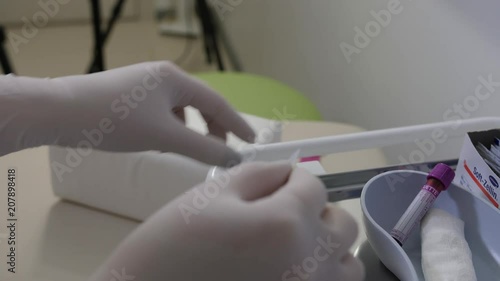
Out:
{"x": 446, "y": 256}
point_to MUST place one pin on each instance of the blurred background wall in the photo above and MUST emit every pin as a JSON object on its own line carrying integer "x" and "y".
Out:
{"x": 425, "y": 62}
{"x": 376, "y": 64}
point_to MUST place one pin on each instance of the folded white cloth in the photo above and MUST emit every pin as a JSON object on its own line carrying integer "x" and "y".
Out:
{"x": 445, "y": 253}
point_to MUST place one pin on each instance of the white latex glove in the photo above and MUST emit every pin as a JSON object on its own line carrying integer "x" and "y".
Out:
{"x": 133, "y": 108}
{"x": 264, "y": 222}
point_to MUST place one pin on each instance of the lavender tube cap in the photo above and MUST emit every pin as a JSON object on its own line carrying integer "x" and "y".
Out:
{"x": 442, "y": 173}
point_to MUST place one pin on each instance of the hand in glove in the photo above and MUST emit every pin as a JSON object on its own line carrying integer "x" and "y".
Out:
{"x": 259, "y": 221}
{"x": 133, "y": 108}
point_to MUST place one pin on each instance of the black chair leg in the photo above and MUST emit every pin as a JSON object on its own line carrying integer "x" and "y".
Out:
{"x": 218, "y": 56}
{"x": 98, "y": 46}
{"x": 115, "y": 15}
{"x": 209, "y": 33}
{"x": 4, "y": 58}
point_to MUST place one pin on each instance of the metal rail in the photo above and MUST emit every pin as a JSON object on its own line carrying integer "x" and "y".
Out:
{"x": 349, "y": 185}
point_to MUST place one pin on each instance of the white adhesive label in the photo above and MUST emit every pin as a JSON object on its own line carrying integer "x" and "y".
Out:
{"x": 417, "y": 209}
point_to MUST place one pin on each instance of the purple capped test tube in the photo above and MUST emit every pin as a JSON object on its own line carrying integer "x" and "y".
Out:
{"x": 437, "y": 180}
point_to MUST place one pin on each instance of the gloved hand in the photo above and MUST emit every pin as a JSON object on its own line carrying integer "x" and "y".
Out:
{"x": 133, "y": 108}
{"x": 261, "y": 221}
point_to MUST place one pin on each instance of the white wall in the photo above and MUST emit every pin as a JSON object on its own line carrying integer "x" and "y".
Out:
{"x": 427, "y": 59}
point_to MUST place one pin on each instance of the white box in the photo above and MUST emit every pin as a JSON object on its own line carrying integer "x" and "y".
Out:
{"x": 472, "y": 171}
{"x": 135, "y": 185}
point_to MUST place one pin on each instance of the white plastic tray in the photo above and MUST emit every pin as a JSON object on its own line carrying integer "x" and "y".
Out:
{"x": 384, "y": 201}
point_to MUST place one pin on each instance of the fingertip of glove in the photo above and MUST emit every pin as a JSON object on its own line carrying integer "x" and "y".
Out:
{"x": 252, "y": 137}
{"x": 230, "y": 159}
{"x": 355, "y": 269}
{"x": 284, "y": 163}
{"x": 277, "y": 167}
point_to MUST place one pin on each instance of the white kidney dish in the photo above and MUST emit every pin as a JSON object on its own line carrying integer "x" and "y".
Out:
{"x": 385, "y": 198}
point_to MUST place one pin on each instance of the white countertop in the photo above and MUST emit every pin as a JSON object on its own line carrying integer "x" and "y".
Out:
{"x": 59, "y": 241}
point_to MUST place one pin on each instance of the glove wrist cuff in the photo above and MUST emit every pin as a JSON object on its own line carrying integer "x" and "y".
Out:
{"x": 31, "y": 110}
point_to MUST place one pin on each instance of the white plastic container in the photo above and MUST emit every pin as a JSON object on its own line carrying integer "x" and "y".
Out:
{"x": 135, "y": 185}
{"x": 385, "y": 198}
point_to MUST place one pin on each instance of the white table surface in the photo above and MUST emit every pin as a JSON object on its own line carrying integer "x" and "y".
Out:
{"x": 61, "y": 241}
